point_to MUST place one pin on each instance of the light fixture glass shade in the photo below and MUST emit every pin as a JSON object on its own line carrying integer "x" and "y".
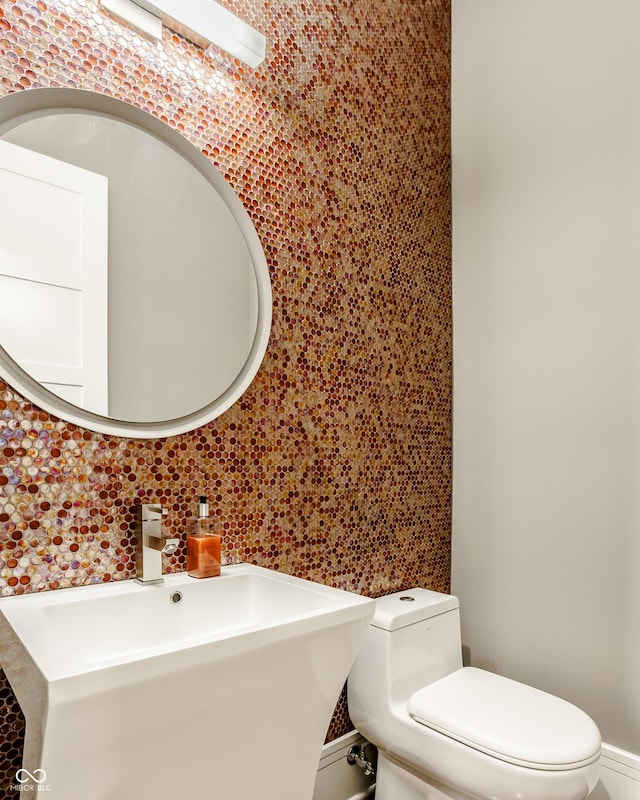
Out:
{"x": 204, "y": 22}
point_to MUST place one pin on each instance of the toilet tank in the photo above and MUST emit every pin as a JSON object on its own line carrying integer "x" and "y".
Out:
{"x": 412, "y": 640}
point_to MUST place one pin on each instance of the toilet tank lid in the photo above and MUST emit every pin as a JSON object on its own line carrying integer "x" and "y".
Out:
{"x": 403, "y": 608}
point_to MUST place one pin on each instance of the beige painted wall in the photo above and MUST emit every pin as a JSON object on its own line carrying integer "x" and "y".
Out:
{"x": 546, "y": 202}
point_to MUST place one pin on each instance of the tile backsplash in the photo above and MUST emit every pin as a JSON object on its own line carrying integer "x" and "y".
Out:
{"x": 335, "y": 465}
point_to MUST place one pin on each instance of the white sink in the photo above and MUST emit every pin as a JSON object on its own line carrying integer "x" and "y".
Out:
{"x": 70, "y": 632}
{"x": 220, "y": 688}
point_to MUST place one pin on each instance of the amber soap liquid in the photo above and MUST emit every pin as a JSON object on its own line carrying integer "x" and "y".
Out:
{"x": 203, "y": 549}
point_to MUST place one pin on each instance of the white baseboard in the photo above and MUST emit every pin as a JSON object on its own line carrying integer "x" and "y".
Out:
{"x": 338, "y": 780}
{"x": 619, "y": 776}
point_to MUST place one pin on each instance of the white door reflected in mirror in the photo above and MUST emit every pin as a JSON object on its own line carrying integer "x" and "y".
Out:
{"x": 53, "y": 273}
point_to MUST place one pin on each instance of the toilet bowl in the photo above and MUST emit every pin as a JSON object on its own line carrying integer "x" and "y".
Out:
{"x": 448, "y": 732}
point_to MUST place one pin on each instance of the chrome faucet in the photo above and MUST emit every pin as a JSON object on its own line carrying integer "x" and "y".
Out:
{"x": 151, "y": 543}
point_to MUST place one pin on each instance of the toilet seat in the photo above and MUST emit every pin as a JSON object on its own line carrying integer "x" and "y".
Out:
{"x": 507, "y": 720}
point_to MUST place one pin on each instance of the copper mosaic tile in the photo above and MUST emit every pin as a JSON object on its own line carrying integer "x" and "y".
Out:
{"x": 336, "y": 463}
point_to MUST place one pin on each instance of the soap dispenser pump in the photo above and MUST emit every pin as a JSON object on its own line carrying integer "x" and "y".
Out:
{"x": 203, "y": 544}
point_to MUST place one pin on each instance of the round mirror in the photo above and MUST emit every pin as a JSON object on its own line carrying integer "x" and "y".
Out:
{"x": 136, "y": 294}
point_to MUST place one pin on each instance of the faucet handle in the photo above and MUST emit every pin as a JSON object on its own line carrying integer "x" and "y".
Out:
{"x": 170, "y": 546}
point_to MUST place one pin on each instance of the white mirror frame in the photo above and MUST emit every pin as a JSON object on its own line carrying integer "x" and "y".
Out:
{"x": 40, "y": 100}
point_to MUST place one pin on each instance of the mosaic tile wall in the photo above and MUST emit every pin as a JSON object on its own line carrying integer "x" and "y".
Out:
{"x": 336, "y": 463}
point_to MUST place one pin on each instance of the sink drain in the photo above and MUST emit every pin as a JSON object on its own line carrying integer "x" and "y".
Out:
{"x": 175, "y": 597}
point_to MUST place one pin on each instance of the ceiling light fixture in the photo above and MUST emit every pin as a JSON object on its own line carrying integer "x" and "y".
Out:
{"x": 204, "y": 22}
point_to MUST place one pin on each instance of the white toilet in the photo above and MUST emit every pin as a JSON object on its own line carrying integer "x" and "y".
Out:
{"x": 446, "y": 731}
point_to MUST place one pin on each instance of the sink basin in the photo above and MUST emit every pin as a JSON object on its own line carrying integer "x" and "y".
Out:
{"x": 221, "y": 687}
{"x": 69, "y": 632}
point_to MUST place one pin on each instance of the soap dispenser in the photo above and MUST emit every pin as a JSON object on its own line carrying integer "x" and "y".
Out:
{"x": 203, "y": 545}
